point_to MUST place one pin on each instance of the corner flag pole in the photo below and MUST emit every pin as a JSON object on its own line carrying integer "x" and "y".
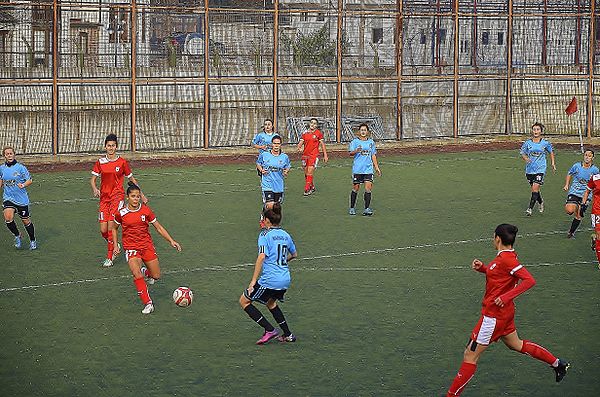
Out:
{"x": 570, "y": 110}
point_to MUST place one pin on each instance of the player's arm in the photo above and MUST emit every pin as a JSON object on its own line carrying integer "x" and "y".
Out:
{"x": 24, "y": 184}
{"x": 300, "y": 145}
{"x": 256, "y": 145}
{"x": 114, "y": 226}
{"x": 479, "y": 266}
{"x": 257, "y": 270}
{"x": 325, "y": 157}
{"x": 95, "y": 189}
{"x": 376, "y": 164}
{"x": 527, "y": 281}
{"x": 567, "y": 182}
{"x": 552, "y": 160}
{"x": 163, "y": 232}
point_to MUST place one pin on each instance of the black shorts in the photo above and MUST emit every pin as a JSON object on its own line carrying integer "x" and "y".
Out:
{"x": 22, "y": 210}
{"x": 263, "y": 294}
{"x": 535, "y": 178}
{"x": 573, "y": 199}
{"x": 272, "y": 197}
{"x": 357, "y": 179}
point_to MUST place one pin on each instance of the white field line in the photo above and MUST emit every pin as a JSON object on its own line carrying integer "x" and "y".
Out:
{"x": 244, "y": 266}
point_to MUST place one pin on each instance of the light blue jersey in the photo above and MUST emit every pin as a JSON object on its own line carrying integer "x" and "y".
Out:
{"x": 11, "y": 176}
{"x": 275, "y": 243}
{"x": 273, "y": 180}
{"x": 262, "y": 138}
{"x": 363, "y": 161}
{"x": 536, "y": 151}
{"x": 581, "y": 176}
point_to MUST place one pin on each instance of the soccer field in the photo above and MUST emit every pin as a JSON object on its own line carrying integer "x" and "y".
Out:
{"x": 381, "y": 305}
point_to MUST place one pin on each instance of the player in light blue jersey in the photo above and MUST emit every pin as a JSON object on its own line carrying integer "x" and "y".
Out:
{"x": 273, "y": 166}
{"x": 14, "y": 179}
{"x": 576, "y": 184}
{"x": 263, "y": 140}
{"x": 271, "y": 277}
{"x": 365, "y": 162}
{"x": 533, "y": 151}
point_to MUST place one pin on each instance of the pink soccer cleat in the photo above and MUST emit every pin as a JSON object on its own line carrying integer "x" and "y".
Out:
{"x": 267, "y": 336}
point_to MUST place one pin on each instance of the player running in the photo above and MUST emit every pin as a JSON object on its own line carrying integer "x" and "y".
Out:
{"x": 533, "y": 151}
{"x": 593, "y": 186}
{"x": 497, "y": 315}
{"x": 580, "y": 173}
{"x": 14, "y": 179}
{"x": 273, "y": 166}
{"x": 365, "y": 160}
{"x": 139, "y": 249}
{"x": 271, "y": 277}
{"x": 309, "y": 147}
{"x": 262, "y": 140}
{"x": 111, "y": 169}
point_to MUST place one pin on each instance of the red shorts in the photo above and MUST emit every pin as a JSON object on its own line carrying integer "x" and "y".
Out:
{"x": 146, "y": 254}
{"x": 489, "y": 329}
{"x": 108, "y": 209}
{"x": 310, "y": 161}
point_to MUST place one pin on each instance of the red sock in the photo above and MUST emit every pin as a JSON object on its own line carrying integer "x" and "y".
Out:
{"x": 465, "y": 373}
{"x": 111, "y": 246}
{"x": 142, "y": 290}
{"x": 598, "y": 250}
{"x": 536, "y": 351}
{"x": 306, "y": 183}
{"x": 309, "y": 181}
{"x": 105, "y": 235}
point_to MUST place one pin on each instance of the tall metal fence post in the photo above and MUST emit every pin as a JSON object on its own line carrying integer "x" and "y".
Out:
{"x": 399, "y": 43}
{"x": 592, "y": 53}
{"x": 133, "y": 91}
{"x": 455, "y": 91}
{"x": 55, "y": 77}
{"x": 275, "y": 63}
{"x": 509, "y": 48}
{"x": 339, "y": 95}
{"x": 206, "y": 72}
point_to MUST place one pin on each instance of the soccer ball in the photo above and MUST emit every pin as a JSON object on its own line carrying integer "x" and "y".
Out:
{"x": 183, "y": 296}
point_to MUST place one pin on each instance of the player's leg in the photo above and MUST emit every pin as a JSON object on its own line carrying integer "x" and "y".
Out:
{"x": 30, "y": 229}
{"x": 367, "y": 197}
{"x": 573, "y": 207}
{"x": 280, "y": 319}
{"x": 468, "y": 367}
{"x": 513, "y": 342}
{"x": 135, "y": 265}
{"x": 246, "y": 300}
{"x": 535, "y": 197}
{"x": 151, "y": 268}
{"x": 354, "y": 193}
{"x": 9, "y": 219}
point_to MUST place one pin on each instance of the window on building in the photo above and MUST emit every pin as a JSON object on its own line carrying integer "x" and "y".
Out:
{"x": 423, "y": 37}
{"x": 118, "y": 25}
{"x": 304, "y": 17}
{"x": 485, "y": 38}
{"x": 500, "y": 38}
{"x": 442, "y": 35}
{"x": 377, "y": 35}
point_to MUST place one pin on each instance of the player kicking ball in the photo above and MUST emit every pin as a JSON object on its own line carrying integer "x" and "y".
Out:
{"x": 497, "y": 319}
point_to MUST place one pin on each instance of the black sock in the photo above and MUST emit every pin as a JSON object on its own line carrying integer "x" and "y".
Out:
{"x": 12, "y": 226}
{"x": 257, "y": 316}
{"x": 353, "y": 196}
{"x": 279, "y": 317}
{"x": 539, "y": 197}
{"x": 533, "y": 199}
{"x": 31, "y": 231}
{"x": 582, "y": 209}
{"x": 574, "y": 225}
{"x": 367, "y": 197}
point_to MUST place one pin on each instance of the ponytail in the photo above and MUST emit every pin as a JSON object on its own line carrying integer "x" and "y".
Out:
{"x": 132, "y": 187}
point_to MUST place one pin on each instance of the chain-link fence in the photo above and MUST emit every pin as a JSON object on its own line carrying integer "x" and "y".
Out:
{"x": 176, "y": 74}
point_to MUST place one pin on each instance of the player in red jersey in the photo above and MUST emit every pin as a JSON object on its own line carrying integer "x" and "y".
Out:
{"x": 311, "y": 140}
{"x": 594, "y": 187}
{"x": 111, "y": 169}
{"x": 497, "y": 315}
{"x": 137, "y": 243}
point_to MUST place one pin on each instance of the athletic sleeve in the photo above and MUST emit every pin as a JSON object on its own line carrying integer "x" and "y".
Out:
{"x": 287, "y": 164}
{"x": 259, "y": 160}
{"x": 26, "y": 175}
{"x": 127, "y": 169}
{"x": 548, "y": 147}
{"x": 118, "y": 218}
{"x": 255, "y": 139}
{"x": 291, "y": 246}
{"x": 524, "y": 148}
{"x": 96, "y": 170}
{"x": 527, "y": 281}
{"x": 352, "y": 146}
{"x": 262, "y": 244}
{"x": 321, "y": 136}
{"x": 573, "y": 170}
{"x": 151, "y": 216}
{"x": 374, "y": 149}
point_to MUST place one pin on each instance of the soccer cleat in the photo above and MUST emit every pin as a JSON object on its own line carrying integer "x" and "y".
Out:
{"x": 352, "y": 211}
{"x": 113, "y": 255}
{"x": 267, "y": 336}
{"x": 368, "y": 212}
{"x": 107, "y": 263}
{"x": 17, "y": 242}
{"x": 290, "y": 338}
{"x": 570, "y": 235}
{"x": 541, "y": 208}
{"x": 307, "y": 192}
{"x": 528, "y": 212}
{"x": 149, "y": 308}
{"x": 32, "y": 245}
{"x": 561, "y": 369}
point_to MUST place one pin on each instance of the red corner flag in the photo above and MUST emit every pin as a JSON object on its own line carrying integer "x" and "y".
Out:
{"x": 572, "y": 108}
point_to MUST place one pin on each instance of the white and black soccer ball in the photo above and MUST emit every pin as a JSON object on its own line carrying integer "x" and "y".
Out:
{"x": 183, "y": 296}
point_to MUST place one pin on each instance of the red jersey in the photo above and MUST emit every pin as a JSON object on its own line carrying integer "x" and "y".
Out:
{"x": 135, "y": 227}
{"x": 111, "y": 173}
{"x": 311, "y": 143}
{"x": 594, "y": 186}
{"x": 501, "y": 278}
